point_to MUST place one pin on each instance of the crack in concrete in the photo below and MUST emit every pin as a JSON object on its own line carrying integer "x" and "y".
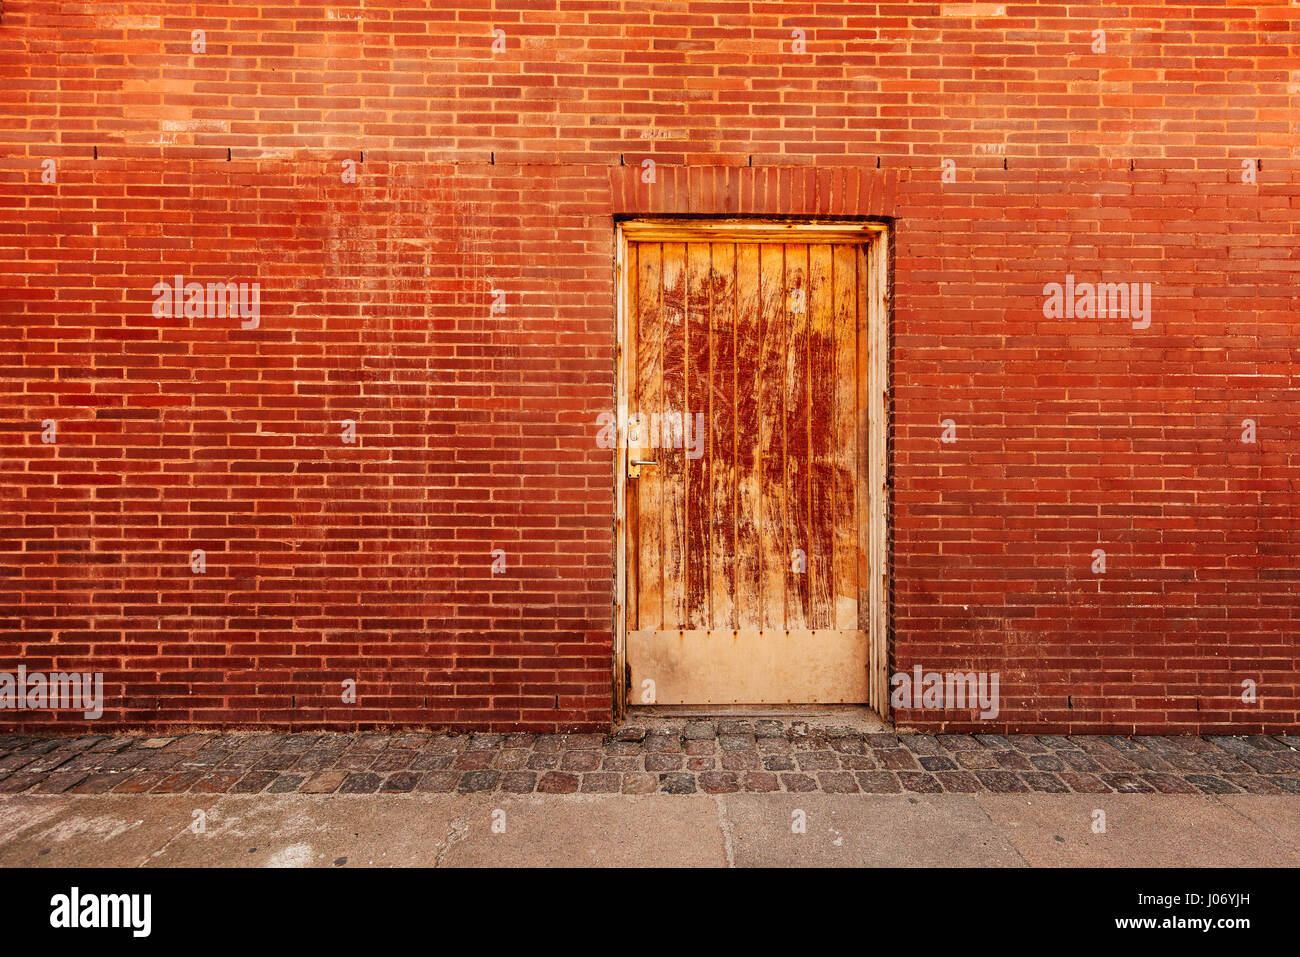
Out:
{"x": 457, "y": 831}
{"x": 724, "y": 825}
{"x": 1001, "y": 831}
{"x": 1281, "y": 837}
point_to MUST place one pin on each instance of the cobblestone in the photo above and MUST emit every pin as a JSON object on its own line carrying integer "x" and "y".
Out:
{"x": 675, "y": 757}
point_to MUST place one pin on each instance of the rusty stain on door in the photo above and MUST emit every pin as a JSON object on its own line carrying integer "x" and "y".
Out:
{"x": 744, "y": 495}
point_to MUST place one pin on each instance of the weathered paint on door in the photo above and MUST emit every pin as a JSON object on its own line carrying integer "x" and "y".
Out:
{"x": 744, "y": 545}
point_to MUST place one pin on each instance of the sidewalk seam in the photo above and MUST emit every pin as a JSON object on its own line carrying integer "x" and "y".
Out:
{"x": 999, "y": 829}
{"x": 1284, "y": 838}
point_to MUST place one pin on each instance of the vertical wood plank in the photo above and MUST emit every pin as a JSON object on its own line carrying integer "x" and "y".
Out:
{"x": 622, "y": 499}
{"x": 821, "y": 437}
{"x": 749, "y": 480}
{"x": 649, "y": 399}
{"x": 773, "y": 526}
{"x": 797, "y": 459}
{"x": 672, "y": 463}
{"x": 723, "y": 435}
{"x": 844, "y": 429}
{"x": 877, "y": 382}
{"x": 865, "y": 291}
{"x": 699, "y": 499}
{"x": 632, "y": 503}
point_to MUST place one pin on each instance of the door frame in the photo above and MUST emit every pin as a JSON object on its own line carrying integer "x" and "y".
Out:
{"x": 874, "y": 238}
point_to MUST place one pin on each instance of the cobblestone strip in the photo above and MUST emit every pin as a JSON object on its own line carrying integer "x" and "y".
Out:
{"x": 675, "y": 757}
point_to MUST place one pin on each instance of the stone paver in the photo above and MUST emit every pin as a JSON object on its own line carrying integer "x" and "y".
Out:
{"x": 719, "y": 757}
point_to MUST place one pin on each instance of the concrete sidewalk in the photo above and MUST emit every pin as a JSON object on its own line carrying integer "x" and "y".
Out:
{"x": 467, "y": 830}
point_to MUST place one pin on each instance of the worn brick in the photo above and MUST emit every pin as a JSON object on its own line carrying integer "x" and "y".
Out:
{"x": 400, "y": 782}
{"x": 58, "y": 782}
{"x": 957, "y": 781}
{"x": 511, "y": 759}
{"x": 837, "y": 782}
{"x": 137, "y": 782}
{"x": 879, "y": 782}
{"x": 216, "y": 782}
{"x": 816, "y": 761}
{"x": 719, "y": 782}
{"x": 558, "y": 782}
{"x": 740, "y": 761}
{"x": 601, "y": 782}
{"x": 426, "y": 761}
{"x": 1001, "y": 782}
{"x": 677, "y": 782}
{"x": 474, "y": 760}
{"x": 666, "y": 743}
{"x": 1084, "y": 783}
{"x": 518, "y": 782}
{"x": 439, "y": 782}
{"x": 638, "y": 782}
{"x": 1013, "y": 761}
{"x": 700, "y": 730}
{"x": 580, "y": 761}
{"x": 473, "y": 782}
{"x": 253, "y": 782}
{"x": 324, "y": 782}
{"x": 286, "y": 783}
{"x": 920, "y": 782}
{"x": 1043, "y": 781}
{"x": 664, "y": 762}
{"x": 393, "y": 760}
{"x": 361, "y": 782}
{"x": 1254, "y": 783}
{"x": 99, "y": 784}
{"x": 798, "y": 783}
{"x": 1169, "y": 783}
{"x": 1126, "y": 783}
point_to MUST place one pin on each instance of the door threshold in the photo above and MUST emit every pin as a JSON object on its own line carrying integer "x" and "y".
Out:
{"x": 860, "y": 718}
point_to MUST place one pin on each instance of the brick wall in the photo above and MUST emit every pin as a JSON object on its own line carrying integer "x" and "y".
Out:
{"x": 379, "y": 169}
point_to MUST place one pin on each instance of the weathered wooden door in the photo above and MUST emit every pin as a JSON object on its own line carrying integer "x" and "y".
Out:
{"x": 746, "y": 537}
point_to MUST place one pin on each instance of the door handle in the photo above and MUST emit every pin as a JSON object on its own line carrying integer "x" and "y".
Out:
{"x": 634, "y": 467}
